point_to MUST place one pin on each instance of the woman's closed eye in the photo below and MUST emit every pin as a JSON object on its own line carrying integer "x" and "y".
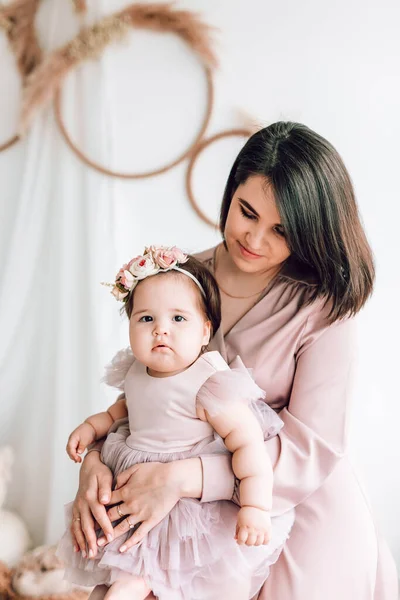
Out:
{"x": 247, "y": 215}
{"x": 279, "y": 230}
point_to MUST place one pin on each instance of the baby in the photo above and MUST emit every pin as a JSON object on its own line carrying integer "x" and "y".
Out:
{"x": 182, "y": 401}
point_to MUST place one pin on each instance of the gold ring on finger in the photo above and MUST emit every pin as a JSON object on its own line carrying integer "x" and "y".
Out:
{"x": 131, "y": 525}
{"x": 119, "y": 511}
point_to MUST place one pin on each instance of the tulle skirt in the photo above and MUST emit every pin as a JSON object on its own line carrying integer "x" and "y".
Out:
{"x": 191, "y": 554}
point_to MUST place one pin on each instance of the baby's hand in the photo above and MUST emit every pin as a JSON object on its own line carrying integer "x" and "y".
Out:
{"x": 253, "y": 526}
{"x": 79, "y": 440}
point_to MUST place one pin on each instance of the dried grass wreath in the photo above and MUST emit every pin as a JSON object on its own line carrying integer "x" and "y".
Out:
{"x": 244, "y": 132}
{"x": 45, "y": 83}
{"x": 18, "y": 21}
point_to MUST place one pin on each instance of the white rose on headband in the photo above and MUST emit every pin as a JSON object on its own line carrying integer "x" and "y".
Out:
{"x": 142, "y": 267}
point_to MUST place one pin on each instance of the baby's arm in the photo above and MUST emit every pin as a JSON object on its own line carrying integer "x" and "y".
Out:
{"x": 243, "y": 436}
{"x": 94, "y": 428}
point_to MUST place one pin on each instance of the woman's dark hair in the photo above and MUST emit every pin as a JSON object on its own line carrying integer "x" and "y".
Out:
{"x": 316, "y": 202}
{"x": 210, "y": 302}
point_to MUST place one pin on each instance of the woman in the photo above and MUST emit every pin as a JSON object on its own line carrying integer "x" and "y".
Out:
{"x": 293, "y": 268}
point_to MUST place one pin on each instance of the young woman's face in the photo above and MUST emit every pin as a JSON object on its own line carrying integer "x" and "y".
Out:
{"x": 253, "y": 232}
{"x": 167, "y": 328}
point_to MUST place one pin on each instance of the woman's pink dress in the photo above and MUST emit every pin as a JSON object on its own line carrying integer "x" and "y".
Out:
{"x": 334, "y": 551}
{"x": 191, "y": 554}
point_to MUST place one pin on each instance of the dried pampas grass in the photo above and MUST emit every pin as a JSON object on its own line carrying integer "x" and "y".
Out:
{"x": 18, "y": 20}
{"x": 183, "y": 23}
{"x": 91, "y": 41}
{"x": 80, "y": 6}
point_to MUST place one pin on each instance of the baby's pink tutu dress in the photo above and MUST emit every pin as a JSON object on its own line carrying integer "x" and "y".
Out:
{"x": 191, "y": 554}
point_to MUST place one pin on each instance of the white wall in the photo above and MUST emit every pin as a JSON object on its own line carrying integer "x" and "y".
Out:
{"x": 333, "y": 66}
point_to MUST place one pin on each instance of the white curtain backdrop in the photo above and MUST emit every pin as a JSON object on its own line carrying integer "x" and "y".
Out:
{"x": 57, "y": 216}
{"x": 65, "y": 228}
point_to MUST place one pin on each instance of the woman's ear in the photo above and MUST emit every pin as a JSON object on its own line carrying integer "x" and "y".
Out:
{"x": 206, "y": 333}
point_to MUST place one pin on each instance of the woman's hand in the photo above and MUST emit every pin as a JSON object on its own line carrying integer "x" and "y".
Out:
{"x": 95, "y": 480}
{"x": 148, "y": 492}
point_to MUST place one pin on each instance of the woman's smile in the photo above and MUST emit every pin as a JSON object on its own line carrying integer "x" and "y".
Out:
{"x": 246, "y": 253}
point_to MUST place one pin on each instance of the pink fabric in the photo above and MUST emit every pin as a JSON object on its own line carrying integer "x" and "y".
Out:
{"x": 305, "y": 367}
{"x": 192, "y": 553}
{"x": 167, "y": 422}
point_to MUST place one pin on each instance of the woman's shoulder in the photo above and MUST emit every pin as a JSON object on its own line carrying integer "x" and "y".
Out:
{"x": 206, "y": 256}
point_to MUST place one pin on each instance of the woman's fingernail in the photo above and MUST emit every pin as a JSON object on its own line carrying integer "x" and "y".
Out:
{"x": 104, "y": 499}
{"x": 110, "y": 537}
{"x": 83, "y": 554}
{"x": 101, "y": 542}
{"x": 122, "y": 549}
{"x": 91, "y": 553}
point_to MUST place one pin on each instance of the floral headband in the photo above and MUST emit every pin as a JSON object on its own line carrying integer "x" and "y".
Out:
{"x": 154, "y": 259}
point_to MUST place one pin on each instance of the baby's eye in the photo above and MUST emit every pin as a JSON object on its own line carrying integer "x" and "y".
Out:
{"x": 178, "y": 318}
{"x": 146, "y": 319}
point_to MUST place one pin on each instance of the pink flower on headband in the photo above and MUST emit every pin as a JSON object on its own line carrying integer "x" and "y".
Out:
{"x": 180, "y": 256}
{"x": 166, "y": 258}
{"x": 153, "y": 260}
{"x": 126, "y": 279}
{"x": 118, "y": 295}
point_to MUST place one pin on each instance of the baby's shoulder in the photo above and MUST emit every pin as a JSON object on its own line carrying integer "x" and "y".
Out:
{"x": 214, "y": 361}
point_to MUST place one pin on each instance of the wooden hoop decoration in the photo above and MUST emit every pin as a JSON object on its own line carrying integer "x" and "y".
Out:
{"x": 45, "y": 84}
{"x": 198, "y": 150}
{"x": 18, "y": 20}
{"x": 121, "y": 175}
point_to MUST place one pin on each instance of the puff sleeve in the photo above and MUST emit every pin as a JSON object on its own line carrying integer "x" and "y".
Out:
{"x": 117, "y": 369}
{"x": 224, "y": 388}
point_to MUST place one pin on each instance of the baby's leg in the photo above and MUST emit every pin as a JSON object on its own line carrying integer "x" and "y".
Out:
{"x": 98, "y": 592}
{"x": 128, "y": 588}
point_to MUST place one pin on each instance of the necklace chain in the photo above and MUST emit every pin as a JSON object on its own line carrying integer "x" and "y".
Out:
{"x": 231, "y": 295}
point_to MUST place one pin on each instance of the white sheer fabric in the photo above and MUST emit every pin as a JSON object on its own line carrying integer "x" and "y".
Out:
{"x": 56, "y": 246}
{"x": 64, "y": 228}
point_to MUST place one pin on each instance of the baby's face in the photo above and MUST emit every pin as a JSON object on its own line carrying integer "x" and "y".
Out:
{"x": 167, "y": 327}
